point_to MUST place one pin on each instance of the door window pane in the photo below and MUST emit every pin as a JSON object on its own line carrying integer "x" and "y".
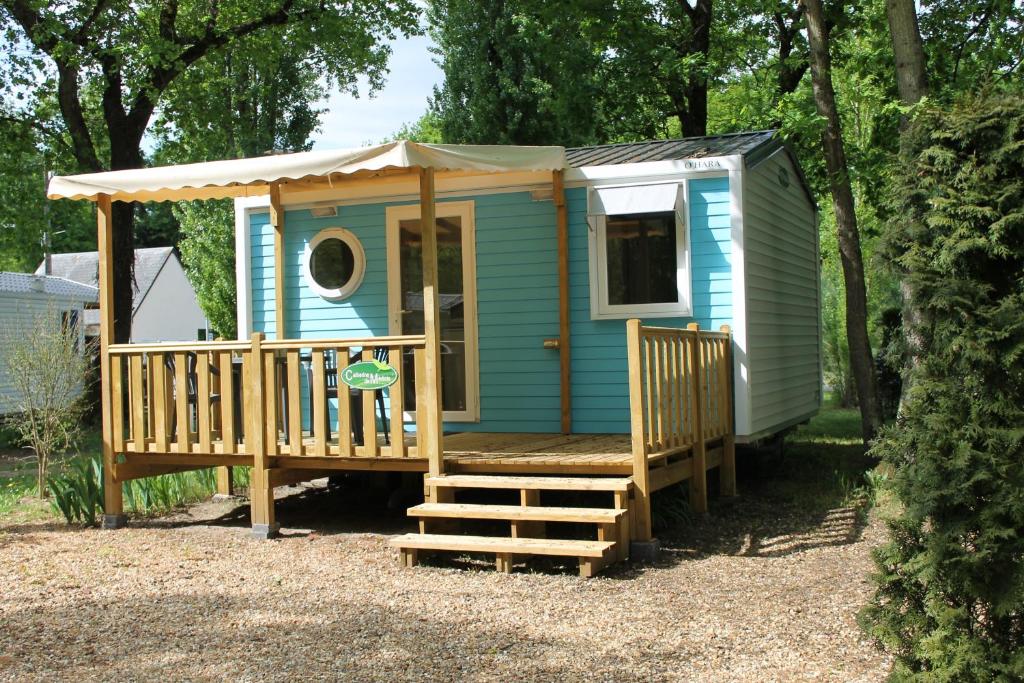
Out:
{"x": 453, "y": 319}
{"x": 641, "y": 258}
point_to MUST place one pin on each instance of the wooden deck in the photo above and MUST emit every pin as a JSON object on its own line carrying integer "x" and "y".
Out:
{"x": 538, "y": 453}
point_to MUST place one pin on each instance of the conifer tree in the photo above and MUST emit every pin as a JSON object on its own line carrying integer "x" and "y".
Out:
{"x": 950, "y": 582}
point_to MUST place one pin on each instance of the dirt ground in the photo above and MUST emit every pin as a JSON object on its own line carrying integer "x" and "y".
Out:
{"x": 763, "y": 588}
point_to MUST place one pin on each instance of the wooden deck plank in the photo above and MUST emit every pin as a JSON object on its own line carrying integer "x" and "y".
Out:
{"x": 539, "y": 483}
{"x": 517, "y": 512}
{"x": 489, "y": 544}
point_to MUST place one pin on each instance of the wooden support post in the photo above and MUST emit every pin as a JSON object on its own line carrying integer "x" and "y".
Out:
{"x": 261, "y": 492}
{"x": 225, "y": 481}
{"x": 113, "y": 502}
{"x": 727, "y": 470}
{"x": 698, "y": 475}
{"x": 625, "y": 524}
{"x": 277, "y": 220}
{"x": 431, "y": 444}
{"x": 641, "y": 480}
{"x": 564, "y": 348}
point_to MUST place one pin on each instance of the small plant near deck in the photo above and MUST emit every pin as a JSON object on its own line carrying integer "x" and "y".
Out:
{"x": 47, "y": 366}
{"x": 77, "y": 492}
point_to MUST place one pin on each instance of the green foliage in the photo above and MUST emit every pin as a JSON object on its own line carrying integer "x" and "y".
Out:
{"x": 253, "y": 100}
{"x": 46, "y": 365}
{"x": 208, "y": 255}
{"x": 516, "y": 72}
{"x": 950, "y": 584}
{"x": 77, "y": 492}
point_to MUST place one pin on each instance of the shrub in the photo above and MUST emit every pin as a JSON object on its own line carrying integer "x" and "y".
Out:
{"x": 47, "y": 367}
{"x": 78, "y": 491}
{"x": 949, "y": 601}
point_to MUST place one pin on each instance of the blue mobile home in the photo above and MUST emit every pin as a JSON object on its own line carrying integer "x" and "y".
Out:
{"x": 618, "y": 316}
{"x": 744, "y": 253}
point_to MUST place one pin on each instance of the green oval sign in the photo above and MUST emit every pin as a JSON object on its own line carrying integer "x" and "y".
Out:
{"x": 369, "y": 375}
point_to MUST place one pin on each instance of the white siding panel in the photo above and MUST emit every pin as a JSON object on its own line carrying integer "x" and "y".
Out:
{"x": 783, "y": 303}
{"x": 17, "y": 314}
{"x": 170, "y": 311}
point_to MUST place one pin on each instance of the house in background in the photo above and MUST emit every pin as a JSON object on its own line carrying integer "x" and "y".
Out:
{"x": 24, "y": 297}
{"x": 164, "y": 303}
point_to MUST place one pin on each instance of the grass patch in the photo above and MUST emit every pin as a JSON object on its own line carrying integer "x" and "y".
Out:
{"x": 76, "y": 489}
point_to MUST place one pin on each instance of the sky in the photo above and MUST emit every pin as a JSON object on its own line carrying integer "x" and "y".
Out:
{"x": 357, "y": 122}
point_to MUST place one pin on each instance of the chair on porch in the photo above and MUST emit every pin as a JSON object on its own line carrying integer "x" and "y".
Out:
{"x": 191, "y": 389}
{"x": 331, "y": 382}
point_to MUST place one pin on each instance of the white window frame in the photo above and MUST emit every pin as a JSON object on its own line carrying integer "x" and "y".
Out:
{"x": 465, "y": 211}
{"x": 358, "y": 266}
{"x": 600, "y": 309}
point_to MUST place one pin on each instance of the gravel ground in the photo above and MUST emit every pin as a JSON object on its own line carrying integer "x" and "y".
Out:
{"x": 760, "y": 589}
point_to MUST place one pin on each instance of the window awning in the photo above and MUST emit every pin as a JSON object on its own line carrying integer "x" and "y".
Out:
{"x": 244, "y": 177}
{"x": 616, "y": 201}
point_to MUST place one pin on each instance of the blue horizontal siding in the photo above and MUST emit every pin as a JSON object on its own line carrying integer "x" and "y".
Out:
{"x": 600, "y": 386}
{"x": 517, "y": 293}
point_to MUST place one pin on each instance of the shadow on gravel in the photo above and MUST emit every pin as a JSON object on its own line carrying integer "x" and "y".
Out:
{"x": 277, "y": 632}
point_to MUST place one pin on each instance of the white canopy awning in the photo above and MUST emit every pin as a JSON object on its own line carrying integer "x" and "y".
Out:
{"x": 244, "y": 177}
{"x": 633, "y": 199}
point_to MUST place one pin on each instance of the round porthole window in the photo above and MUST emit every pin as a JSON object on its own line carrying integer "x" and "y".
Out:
{"x": 334, "y": 263}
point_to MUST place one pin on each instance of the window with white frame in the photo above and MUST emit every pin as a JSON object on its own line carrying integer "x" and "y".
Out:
{"x": 639, "y": 251}
{"x": 334, "y": 263}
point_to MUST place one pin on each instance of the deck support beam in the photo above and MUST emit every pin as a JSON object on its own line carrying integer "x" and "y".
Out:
{"x": 641, "y": 504}
{"x": 727, "y": 470}
{"x": 564, "y": 348}
{"x": 277, "y": 220}
{"x": 261, "y": 489}
{"x": 113, "y": 501}
{"x": 431, "y": 443}
{"x": 225, "y": 481}
{"x": 699, "y": 475}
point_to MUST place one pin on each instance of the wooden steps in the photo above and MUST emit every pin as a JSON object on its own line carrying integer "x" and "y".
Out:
{"x": 528, "y": 521}
{"x": 485, "y": 481}
{"x": 591, "y": 554}
{"x": 526, "y": 513}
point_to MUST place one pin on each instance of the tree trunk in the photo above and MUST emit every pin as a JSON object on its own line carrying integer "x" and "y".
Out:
{"x": 693, "y": 115}
{"x": 912, "y": 84}
{"x": 908, "y": 48}
{"x": 847, "y": 233}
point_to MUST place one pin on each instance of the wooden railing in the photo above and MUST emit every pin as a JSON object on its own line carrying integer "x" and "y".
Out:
{"x": 198, "y": 398}
{"x": 682, "y": 380}
{"x": 680, "y": 399}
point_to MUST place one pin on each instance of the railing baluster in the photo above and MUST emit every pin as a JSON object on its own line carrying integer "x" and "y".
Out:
{"x": 397, "y": 395}
{"x": 117, "y": 402}
{"x": 203, "y": 402}
{"x": 159, "y": 402}
{"x": 227, "y": 403}
{"x": 369, "y": 415}
{"x": 648, "y": 388}
{"x": 138, "y": 405}
{"x": 270, "y": 394}
{"x": 182, "y": 420}
{"x": 318, "y": 420}
{"x": 419, "y": 372}
{"x": 148, "y": 383}
{"x": 293, "y": 396}
{"x": 670, "y": 392}
{"x": 344, "y": 407}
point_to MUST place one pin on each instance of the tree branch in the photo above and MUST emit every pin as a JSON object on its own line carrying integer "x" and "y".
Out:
{"x": 161, "y": 76}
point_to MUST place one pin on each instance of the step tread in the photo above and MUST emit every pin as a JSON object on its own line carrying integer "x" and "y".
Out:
{"x": 503, "y": 544}
{"x": 487, "y": 481}
{"x": 536, "y": 513}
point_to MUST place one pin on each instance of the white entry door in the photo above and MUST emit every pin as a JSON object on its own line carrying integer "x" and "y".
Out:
{"x": 456, "y": 260}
